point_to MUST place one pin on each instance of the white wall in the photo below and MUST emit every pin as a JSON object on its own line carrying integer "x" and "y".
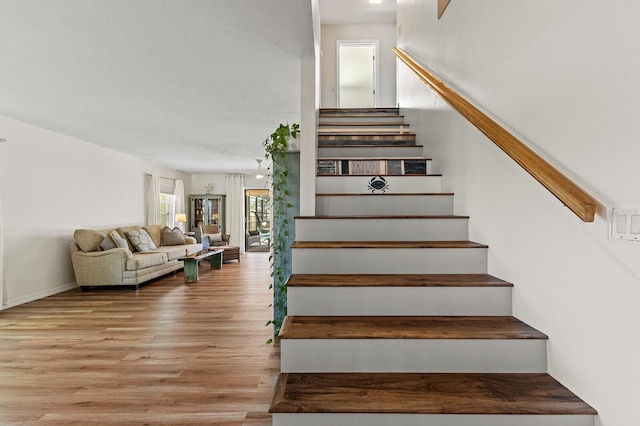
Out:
{"x": 563, "y": 75}
{"x": 386, "y": 33}
{"x": 50, "y": 185}
{"x": 198, "y": 182}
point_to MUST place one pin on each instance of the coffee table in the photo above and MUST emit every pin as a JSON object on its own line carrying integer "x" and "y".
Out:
{"x": 191, "y": 261}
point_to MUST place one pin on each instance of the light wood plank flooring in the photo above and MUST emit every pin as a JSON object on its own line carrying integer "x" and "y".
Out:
{"x": 170, "y": 353}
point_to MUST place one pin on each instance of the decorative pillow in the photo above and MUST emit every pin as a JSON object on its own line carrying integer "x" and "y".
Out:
{"x": 141, "y": 240}
{"x": 107, "y": 243}
{"x": 88, "y": 239}
{"x": 155, "y": 232}
{"x": 118, "y": 240}
{"x": 214, "y": 238}
{"x": 172, "y": 237}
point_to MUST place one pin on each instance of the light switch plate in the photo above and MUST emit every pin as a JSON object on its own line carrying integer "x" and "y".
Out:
{"x": 625, "y": 224}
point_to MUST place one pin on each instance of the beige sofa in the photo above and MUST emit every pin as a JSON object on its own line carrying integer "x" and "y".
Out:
{"x": 94, "y": 265}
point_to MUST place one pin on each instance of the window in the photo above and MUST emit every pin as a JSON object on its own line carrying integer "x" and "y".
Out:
{"x": 166, "y": 209}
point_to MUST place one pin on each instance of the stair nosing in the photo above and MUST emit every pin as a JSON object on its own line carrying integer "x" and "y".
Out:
{"x": 297, "y": 327}
{"x": 397, "y": 280}
{"x": 374, "y": 159}
{"x": 369, "y": 146}
{"x": 458, "y": 244}
{"x": 381, "y": 174}
{"x": 426, "y": 393}
{"x": 389, "y": 194}
{"x": 360, "y": 217}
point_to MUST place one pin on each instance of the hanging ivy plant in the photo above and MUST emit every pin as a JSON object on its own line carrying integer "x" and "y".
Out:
{"x": 275, "y": 148}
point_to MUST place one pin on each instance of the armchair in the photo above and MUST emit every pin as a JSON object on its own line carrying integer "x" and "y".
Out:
{"x": 211, "y": 236}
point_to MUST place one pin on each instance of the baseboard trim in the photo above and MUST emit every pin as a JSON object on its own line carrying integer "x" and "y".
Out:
{"x": 37, "y": 296}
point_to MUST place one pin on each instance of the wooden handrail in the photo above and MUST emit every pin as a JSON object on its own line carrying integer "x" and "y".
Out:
{"x": 570, "y": 194}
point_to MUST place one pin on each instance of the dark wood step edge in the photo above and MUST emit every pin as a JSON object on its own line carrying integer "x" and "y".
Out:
{"x": 389, "y": 194}
{"x": 387, "y": 245}
{"x": 426, "y": 393}
{"x": 361, "y": 217}
{"x": 395, "y": 280}
{"x": 504, "y": 327}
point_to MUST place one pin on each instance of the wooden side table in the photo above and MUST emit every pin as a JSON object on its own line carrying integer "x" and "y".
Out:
{"x": 231, "y": 253}
{"x": 191, "y": 274}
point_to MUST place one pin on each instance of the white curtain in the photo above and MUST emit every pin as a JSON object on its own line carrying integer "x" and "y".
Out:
{"x": 178, "y": 196}
{"x": 153, "y": 200}
{"x": 2, "y": 280}
{"x": 235, "y": 210}
{"x": 178, "y": 201}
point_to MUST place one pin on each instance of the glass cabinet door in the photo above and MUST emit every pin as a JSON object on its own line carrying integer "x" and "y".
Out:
{"x": 207, "y": 210}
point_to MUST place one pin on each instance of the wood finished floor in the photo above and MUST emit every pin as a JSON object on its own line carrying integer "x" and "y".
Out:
{"x": 170, "y": 353}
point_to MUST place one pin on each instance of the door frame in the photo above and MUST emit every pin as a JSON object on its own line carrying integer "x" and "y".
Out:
{"x": 376, "y": 66}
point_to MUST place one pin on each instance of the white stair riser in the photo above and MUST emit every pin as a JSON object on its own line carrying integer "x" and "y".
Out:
{"x": 384, "y": 205}
{"x": 370, "y": 152}
{"x": 395, "y": 184}
{"x": 344, "y": 419}
{"x": 413, "y": 355}
{"x": 390, "y": 261}
{"x": 382, "y": 229}
{"x": 399, "y": 301}
{"x": 350, "y": 119}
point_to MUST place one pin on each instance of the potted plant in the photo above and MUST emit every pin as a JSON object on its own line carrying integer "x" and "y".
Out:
{"x": 276, "y": 147}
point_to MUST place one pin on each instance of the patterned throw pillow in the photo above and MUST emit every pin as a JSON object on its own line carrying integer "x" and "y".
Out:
{"x": 140, "y": 240}
{"x": 172, "y": 237}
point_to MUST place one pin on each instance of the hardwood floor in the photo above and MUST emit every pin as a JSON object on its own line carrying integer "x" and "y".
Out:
{"x": 169, "y": 353}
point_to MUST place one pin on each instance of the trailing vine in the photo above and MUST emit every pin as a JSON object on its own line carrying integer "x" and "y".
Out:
{"x": 275, "y": 147}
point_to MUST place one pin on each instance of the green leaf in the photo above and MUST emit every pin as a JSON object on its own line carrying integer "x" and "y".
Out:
{"x": 270, "y": 341}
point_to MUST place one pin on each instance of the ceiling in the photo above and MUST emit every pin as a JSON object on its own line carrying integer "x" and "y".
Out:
{"x": 192, "y": 85}
{"x": 357, "y": 12}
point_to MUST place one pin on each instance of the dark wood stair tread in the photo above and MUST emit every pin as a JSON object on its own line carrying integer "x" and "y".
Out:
{"x": 405, "y": 175}
{"x": 410, "y": 327}
{"x": 425, "y": 393}
{"x": 389, "y": 194}
{"x": 361, "y": 217}
{"x": 365, "y": 111}
{"x": 395, "y": 280}
{"x": 362, "y": 123}
{"x": 320, "y": 145}
{"x": 359, "y": 134}
{"x": 387, "y": 244}
{"x": 356, "y": 115}
{"x": 374, "y": 159}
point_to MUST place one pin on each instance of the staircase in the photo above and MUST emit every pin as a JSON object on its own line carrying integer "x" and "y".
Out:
{"x": 392, "y": 317}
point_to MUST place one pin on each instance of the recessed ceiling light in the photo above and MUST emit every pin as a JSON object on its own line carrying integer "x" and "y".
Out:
{"x": 375, "y": 1}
